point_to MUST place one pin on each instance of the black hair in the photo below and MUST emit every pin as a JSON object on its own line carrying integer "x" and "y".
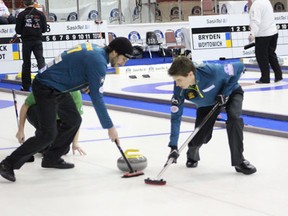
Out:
{"x": 122, "y": 46}
{"x": 108, "y": 49}
{"x": 28, "y": 2}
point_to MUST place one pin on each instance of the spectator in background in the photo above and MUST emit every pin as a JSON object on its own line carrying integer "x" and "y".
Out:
{"x": 5, "y": 16}
{"x": 265, "y": 34}
{"x": 30, "y": 24}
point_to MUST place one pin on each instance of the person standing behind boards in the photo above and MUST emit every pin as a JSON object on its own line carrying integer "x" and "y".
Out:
{"x": 265, "y": 34}
{"x": 30, "y": 24}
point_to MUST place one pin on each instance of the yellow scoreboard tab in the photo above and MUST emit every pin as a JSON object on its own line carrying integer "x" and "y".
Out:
{"x": 15, "y": 50}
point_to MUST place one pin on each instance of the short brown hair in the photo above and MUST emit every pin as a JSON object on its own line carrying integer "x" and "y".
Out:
{"x": 181, "y": 66}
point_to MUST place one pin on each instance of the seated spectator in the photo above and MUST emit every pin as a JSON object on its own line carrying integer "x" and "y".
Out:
{"x": 5, "y": 16}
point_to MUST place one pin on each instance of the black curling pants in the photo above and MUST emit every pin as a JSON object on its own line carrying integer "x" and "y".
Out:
{"x": 234, "y": 128}
{"x": 28, "y": 47}
{"x": 50, "y": 102}
{"x": 33, "y": 118}
{"x": 265, "y": 55}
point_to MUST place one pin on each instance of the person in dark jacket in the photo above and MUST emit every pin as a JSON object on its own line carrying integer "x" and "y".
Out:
{"x": 204, "y": 85}
{"x": 78, "y": 68}
{"x": 30, "y": 24}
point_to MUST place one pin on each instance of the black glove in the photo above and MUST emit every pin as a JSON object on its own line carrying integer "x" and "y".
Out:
{"x": 173, "y": 154}
{"x": 221, "y": 99}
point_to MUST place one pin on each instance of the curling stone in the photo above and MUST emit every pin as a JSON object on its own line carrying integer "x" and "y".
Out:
{"x": 137, "y": 161}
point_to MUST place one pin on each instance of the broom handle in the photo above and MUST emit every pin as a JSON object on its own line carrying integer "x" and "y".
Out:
{"x": 124, "y": 156}
{"x": 170, "y": 161}
{"x": 15, "y": 106}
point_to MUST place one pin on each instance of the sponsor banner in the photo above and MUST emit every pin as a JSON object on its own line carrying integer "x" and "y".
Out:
{"x": 142, "y": 69}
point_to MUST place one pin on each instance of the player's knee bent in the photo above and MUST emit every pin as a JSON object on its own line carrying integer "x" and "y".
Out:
{"x": 206, "y": 139}
{"x": 197, "y": 143}
{"x": 75, "y": 121}
{"x": 70, "y": 124}
{"x": 32, "y": 115}
{"x": 79, "y": 120}
{"x": 199, "y": 140}
{"x": 46, "y": 137}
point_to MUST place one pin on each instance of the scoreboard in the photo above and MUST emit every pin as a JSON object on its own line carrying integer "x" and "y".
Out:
{"x": 59, "y": 37}
{"x": 224, "y": 36}
{"x": 63, "y": 36}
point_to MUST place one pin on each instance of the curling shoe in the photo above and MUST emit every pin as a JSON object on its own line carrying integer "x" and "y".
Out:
{"x": 24, "y": 89}
{"x": 191, "y": 163}
{"x": 262, "y": 82}
{"x": 278, "y": 80}
{"x": 60, "y": 164}
{"x": 246, "y": 168}
{"x": 7, "y": 172}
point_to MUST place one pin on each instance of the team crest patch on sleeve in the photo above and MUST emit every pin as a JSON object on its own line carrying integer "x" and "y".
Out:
{"x": 228, "y": 68}
{"x": 175, "y": 102}
{"x": 174, "y": 109}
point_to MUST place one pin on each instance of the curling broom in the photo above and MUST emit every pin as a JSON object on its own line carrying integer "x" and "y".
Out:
{"x": 131, "y": 173}
{"x": 248, "y": 46}
{"x": 158, "y": 180}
